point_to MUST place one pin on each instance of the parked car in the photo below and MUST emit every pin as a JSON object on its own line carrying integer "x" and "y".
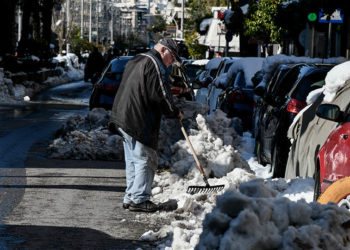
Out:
{"x": 234, "y": 90}
{"x": 107, "y": 85}
{"x": 193, "y": 70}
{"x": 332, "y": 159}
{"x": 283, "y": 100}
{"x": 238, "y": 101}
{"x": 218, "y": 84}
{"x": 211, "y": 69}
{"x": 205, "y": 78}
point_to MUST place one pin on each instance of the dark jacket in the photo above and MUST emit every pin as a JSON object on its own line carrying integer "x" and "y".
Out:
{"x": 143, "y": 96}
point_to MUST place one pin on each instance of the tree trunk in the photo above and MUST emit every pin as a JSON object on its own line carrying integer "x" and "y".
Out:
{"x": 46, "y": 10}
{"x": 7, "y": 27}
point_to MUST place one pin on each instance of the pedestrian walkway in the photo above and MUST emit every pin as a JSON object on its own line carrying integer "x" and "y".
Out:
{"x": 72, "y": 204}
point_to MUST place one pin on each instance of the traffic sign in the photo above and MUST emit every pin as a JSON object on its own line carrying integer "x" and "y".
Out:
{"x": 336, "y": 17}
{"x": 312, "y": 17}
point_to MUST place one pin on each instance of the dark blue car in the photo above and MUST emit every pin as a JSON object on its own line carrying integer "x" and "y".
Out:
{"x": 107, "y": 86}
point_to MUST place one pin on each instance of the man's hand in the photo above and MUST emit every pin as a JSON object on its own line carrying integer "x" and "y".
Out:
{"x": 180, "y": 116}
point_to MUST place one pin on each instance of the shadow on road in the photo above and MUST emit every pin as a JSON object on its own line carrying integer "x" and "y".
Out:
{"x": 50, "y": 237}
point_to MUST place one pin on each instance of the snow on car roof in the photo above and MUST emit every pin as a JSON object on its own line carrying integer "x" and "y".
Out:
{"x": 249, "y": 65}
{"x": 200, "y": 62}
{"x": 335, "y": 79}
{"x": 214, "y": 63}
{"x": 271, "y": 63}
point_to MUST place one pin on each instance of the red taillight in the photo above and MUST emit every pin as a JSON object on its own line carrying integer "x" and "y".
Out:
{"x": 176, "y": 90}
{"x": 236, "y": 96}
{"x": 294, "y": 106}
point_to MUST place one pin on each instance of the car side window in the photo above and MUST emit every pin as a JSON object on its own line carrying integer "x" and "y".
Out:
{"x": 305, "y": 85}
{"x": 239, "y": 80}
{"x": 281, "y": 89}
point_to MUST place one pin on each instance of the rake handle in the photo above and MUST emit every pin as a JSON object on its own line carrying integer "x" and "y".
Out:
{"x": 194, "y": 154}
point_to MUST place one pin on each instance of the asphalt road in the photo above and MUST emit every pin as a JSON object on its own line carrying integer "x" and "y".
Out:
{"x": 60, "y": 204}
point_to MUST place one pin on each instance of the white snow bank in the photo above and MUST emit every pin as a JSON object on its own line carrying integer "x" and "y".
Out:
{"x": 335, "y": 79}
{"x": 87, "y": 138}
{"x": 255, "y": 219}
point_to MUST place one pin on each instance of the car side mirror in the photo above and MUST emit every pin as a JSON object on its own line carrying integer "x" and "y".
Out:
{"x": 329, "y": 112}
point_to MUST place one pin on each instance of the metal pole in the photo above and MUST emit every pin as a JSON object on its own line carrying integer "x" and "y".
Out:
{"x": 182, "y": 18}
{"x": 313, "y": 41}
{"x": 81, "y": 18}
{"x": 68, "y": 24}
{"x": 112, "y": 17}
{"x": 97, "y": 20}
{"x": 329, "y": 40}
{"x": 19, "y": 24}
{"x": 226, "y": 49}
{"x": 90, "y": 21}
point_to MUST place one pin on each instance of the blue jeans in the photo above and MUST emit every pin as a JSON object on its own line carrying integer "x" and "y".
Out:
{"x": 141, "y": 163}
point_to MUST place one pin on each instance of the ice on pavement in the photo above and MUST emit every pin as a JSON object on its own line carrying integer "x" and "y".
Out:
{"x": 252, "y": 212}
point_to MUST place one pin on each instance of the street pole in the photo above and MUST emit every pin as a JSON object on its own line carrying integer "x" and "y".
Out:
{"x": 112, "y": 17}
{"x": 312, "y": 40}
{"x": 226, "y": 49}
{"x": 97, "y": 20}
{"x": 182, "y": 19}
{"x": 329, "y": 39}
{"x": 68, "y": 25}
{"x": 90, "y": 20}
{"x": 81, "y": 18}
{"x": 19, "y": 24}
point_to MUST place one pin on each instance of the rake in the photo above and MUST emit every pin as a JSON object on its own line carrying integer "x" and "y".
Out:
{"x": 200, "y": 189}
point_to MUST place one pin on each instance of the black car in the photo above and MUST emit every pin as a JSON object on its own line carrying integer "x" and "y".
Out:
{"x": 237, "y": 100}
{"x": 107, "y": 86}
{"x": 284, "y": 98}
{"x": 192, "y": 72}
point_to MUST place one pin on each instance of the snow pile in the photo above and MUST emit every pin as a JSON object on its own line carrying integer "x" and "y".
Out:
{"x": 214, "y": 146}
{"x": 255, "y": 219}
{"x": 14, "y": 93}
{"x": 335, "y": 79}
{"x": 87, "y": 138}
{"x": 170, "y": 131}
{"x": 271, "y": 63}
{"x": 74, "y": 73}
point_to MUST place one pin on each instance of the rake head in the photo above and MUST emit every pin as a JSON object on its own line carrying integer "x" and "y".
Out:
{"x": 204, "y": 189}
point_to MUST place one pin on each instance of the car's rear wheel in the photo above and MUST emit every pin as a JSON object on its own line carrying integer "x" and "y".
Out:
{"x": 258, "y": 151}
{"x": 278, "y": 167}
{"x": 338, "y": 192}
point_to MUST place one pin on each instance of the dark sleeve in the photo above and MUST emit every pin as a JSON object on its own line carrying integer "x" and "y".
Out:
{"x": 160, "y": 91}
